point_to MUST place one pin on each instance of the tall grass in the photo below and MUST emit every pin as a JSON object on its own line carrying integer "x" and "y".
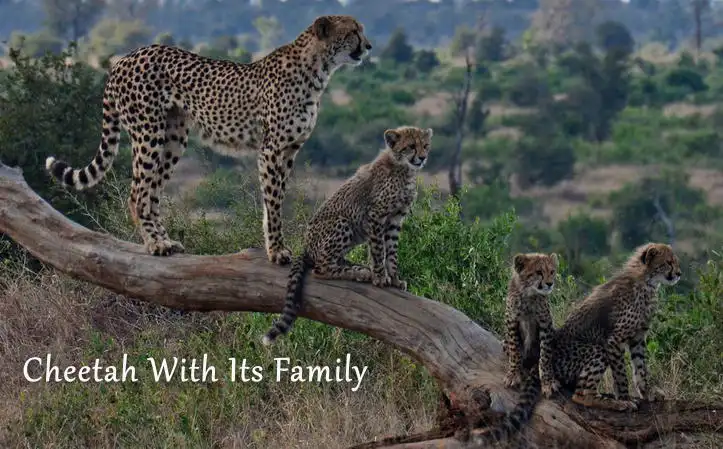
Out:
{"x": 441, "y": 256}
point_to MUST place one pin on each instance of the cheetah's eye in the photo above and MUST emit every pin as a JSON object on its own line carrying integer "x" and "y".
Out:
{"x": 539, "y": 272}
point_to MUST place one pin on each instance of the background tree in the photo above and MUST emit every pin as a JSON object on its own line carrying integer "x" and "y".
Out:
{"x": 426, "y": 60}
{"x": 36, "y": 44}
{"x": 562, "y": 23}
{"x": 112, "y": 37}
{"x": 269, "y": 30}
{"x": 71, "y": 19}
{"x": 398, "y": 49}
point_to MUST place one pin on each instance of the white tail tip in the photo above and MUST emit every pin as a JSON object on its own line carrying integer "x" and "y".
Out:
{"x": 49, "y": 163}
{"x": 266, "y": 341}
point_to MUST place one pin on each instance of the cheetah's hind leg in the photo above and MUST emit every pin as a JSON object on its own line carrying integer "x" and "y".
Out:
{"x": 153, "y": 164}
{"x": 344, "y": 270}
{"x": 171, "y": 151}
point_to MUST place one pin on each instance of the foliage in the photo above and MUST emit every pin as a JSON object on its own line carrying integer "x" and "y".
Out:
{"x": 36, "y": 44}
{"x": 40, "y": 117}
{"x": 640, "y": 209}
{"x": 270, "y": 30}
{"x": 398, "y": 49}
{"x": 469, "y": 261}
{"x": 72, "y": 18}
{"x": 543, "y": 160}
{"x": 690, "y": 326}
{"x": 165, "y": 38}
{"x": 583, "y": 237}
{"x": 685, "y": 77}
{"x": 492, "y": 46}
{"x": 426, "y": 60}
{"x": 223, "y": 189}
{"x": 112, "y": 37}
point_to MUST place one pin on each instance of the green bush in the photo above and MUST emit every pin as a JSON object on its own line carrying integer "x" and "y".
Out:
{"x": 702, "y": 142}
{"x": 685, "y": 78}
{"x": 223, "y": 188}
{"x": 637, "y": 207}
{"x": 543, "y": 160}
{"x": 40, "y": 118}
{"x": 426, "y": 60}
{"x": 114, "y": 37}
{"x": 689, "y": 327}
{"x": 37, "y": 44}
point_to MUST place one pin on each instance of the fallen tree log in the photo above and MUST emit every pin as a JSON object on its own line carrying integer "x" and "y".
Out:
{"x": 465, "y": 358}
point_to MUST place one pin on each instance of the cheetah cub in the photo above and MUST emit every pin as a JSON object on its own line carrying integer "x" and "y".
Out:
{"x": 528, "y": 319}
{"x": 368, "y": 207}
{"x": 615, "y": 314}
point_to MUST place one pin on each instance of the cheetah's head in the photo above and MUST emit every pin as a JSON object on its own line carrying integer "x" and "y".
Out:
{"x": 409, "y": 145}
{"x": 341, "y": 37}
{"x": 535, "y": 272}
{"x": 659, "y": 262}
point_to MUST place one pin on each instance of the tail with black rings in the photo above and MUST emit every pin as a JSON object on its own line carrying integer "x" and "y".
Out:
{"x": 294, "y": 297}
{"x": 94, "y": 172}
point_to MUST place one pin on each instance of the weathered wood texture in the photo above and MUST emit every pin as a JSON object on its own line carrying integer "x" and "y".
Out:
{"x": 464, "y": 357}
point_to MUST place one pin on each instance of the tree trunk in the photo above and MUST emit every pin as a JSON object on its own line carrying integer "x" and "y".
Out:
{"x": 461, "y": 104}
{"x": 465, "y": 358}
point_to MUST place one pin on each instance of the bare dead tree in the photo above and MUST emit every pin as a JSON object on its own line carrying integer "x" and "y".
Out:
{"x": 461, "y": 103}
{"x": 697, "y": 6}
{"x": 465, "y": 358}
{"x": 669, "y": 226}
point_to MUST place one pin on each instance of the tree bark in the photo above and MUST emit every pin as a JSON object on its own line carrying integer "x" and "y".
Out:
{"x": 461, "y": 104}
{"x": 465, "y": 358}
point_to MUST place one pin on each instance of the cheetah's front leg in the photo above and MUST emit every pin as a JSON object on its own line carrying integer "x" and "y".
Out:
{"x": 391, "y": 243}
{"x": 513, "y": 348}
{"x": 640, "y": 370}
{"x": 375, "y": 230}
{"x": 550, "y": 385}
{"x": 274, "y": 168}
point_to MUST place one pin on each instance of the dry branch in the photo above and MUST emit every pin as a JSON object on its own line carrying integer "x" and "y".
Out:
{"x": 465, "y": 358}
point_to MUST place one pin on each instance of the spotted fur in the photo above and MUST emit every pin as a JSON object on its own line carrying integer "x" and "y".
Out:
{"x": 369, "y": 207}
{"x": 615, "y": 314}
{"x": 156, "y": 93}
{"x": 515, "y": 420}
{"x": 528, "y": 319}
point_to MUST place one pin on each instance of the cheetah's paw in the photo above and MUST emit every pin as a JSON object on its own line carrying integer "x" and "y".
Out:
{"x": 512, "y": 380}
{"x": 281, "y": 256}
{"x": 161, "y": 247}
{"x": 177, "y": 247}
{"x": 398, "y": 283}
{"x": 550, "y": 388}
{"x": 382, "y": 281}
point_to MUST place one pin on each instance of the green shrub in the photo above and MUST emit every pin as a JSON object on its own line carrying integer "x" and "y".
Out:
{"x": 37, "y": 44}
{"x": 687, "y": 78}
{"x": 40, "y": 118}
{"x": 690, "y": 327}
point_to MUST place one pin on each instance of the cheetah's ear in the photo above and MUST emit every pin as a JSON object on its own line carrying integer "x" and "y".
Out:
{"x": 555, "y": 259}
{"x": 391, "y": 137}
{"x": 648, "y": 254}
{"x": 519, "y": 262}
{"x": 429, "y": 132}
{"x": 322, "y": 27}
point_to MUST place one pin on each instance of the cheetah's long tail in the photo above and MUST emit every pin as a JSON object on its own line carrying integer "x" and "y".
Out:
{"x": 517, "y": 418}
{"x": 294, "y": 297}
{"x": 94, "y": 172}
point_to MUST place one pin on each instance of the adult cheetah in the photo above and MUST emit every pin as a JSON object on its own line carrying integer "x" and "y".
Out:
{"x": 616, "y": 314}
{"x": 156, "y": 93}
{"x": 369, "y": 207}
